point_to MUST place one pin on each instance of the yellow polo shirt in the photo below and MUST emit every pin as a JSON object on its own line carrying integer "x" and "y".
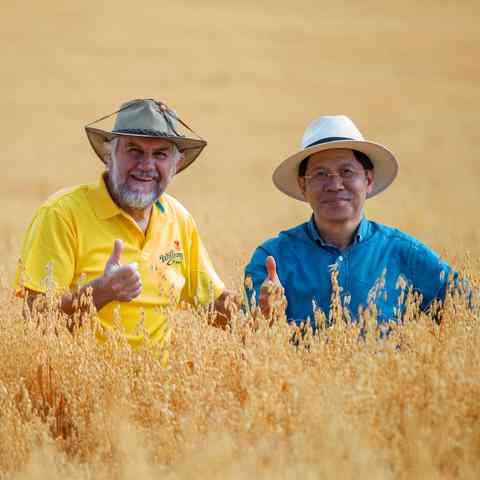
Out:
{"x": 73, "y": 234}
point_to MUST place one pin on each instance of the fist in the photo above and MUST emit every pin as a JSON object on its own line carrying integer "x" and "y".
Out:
{"x": 121, "y": 282}
{"x": 271, "y": 290}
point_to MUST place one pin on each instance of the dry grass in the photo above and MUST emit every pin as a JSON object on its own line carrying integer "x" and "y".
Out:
{"x": 248, "y": 76}
{"x": 243, "y": 402}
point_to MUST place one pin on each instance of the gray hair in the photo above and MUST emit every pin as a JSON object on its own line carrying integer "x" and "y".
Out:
{"x": 110, "y": 147}
{"x": 176, "y": 152}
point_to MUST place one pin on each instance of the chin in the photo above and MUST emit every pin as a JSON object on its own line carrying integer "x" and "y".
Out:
{"x": 336, "y": 212}
{"x": 137, "y": 200}
{"x": 337, "y": 218}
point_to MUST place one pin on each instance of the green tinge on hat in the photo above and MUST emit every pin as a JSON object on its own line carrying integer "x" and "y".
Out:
{"x": 147, "y": 118}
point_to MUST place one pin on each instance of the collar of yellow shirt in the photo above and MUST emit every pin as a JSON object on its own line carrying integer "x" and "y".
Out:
{"x": 106, "y": 208}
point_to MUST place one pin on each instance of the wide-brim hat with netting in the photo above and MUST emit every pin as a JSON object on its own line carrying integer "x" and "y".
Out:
{"x": 147, "y": 118}
{"x": 327, "y": 133}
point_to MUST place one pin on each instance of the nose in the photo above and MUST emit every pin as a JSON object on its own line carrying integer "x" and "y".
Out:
{"x": 147, "y": 163}
{"x": 334, "y": 182}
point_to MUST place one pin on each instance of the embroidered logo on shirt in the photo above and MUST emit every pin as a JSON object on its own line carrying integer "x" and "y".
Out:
{"x": 172, "y": 256}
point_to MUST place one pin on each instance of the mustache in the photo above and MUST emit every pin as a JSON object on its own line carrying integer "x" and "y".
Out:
{"x": 143, "y": 174}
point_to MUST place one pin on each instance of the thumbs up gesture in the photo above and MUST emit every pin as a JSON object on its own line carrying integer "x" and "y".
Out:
{"x": 120, "y": 282}
{"x": 271, "y": 291}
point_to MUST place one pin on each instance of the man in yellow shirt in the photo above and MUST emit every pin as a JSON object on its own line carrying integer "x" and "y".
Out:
{"x": 135, "y": 246}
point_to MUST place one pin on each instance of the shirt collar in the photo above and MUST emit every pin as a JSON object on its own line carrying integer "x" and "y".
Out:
{"x": 313, "y": 232}
{"x": 360, "y": 234}
{"x": 105, "y": 207}
{"x": 102, "y": 202}
{"x": 362, "y": 231}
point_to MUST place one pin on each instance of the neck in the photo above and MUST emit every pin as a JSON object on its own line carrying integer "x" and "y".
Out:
{"x": 141, "y": 217}
{"x": 338, "y": 234}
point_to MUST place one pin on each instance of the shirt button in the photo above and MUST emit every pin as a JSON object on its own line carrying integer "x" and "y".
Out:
{"x": 340, "y": 258}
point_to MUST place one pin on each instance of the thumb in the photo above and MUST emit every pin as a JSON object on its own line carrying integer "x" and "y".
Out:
{"x": 116, "y": 253}
{"x": 271, "y": 267}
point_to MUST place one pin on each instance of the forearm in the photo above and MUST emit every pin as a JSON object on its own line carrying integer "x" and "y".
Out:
{"x": 74, "y": 301}
{"x": 118, "y": 282}
{"x": 71, "y": 302}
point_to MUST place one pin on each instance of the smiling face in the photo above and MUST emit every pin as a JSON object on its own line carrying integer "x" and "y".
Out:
{"x": 336, "y": 186}
{"x": 139, "y": 170}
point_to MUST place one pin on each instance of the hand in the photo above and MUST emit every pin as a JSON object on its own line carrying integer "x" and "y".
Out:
{"x": 120, "y": 282}
{"x": 271, "y": 289}
{"x": 226, "y": 305}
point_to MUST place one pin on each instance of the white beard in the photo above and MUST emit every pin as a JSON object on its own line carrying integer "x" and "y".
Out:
{"x": 127, "y": 198}
{"x": 132, "y": 199}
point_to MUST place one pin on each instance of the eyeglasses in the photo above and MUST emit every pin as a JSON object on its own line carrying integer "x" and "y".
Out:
{"x": 321, "y": 177}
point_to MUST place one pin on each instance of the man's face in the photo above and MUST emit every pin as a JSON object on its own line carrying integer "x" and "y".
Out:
{"x": 140, "y": 170}
{"x": 335, "y": 199}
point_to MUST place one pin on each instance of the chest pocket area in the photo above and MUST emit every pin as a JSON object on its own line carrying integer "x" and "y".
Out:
{"x": 386, "y": 310}
{"x": 166, "y": 273}
{"x": 376, "y": 293}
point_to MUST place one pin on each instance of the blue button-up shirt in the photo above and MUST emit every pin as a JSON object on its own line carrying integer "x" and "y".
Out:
{"x": 380, "y": 262}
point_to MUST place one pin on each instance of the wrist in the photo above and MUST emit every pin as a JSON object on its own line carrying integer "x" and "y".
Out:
{"x": 100, "y": 292}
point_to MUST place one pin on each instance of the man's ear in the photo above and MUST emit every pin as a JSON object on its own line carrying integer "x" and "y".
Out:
{"x": 301, "y": 184}
{"x": 107, "y": 157}
{"x": 180, "y": 158}
{"x": 107, "y": 151}
{"x": 369, "y": 175}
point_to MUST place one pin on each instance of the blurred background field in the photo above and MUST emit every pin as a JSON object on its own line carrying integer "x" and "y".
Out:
{"x": 248, "y": 76}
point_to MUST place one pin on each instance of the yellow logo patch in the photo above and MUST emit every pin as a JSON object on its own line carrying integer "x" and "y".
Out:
{"x": 173, "y": 256}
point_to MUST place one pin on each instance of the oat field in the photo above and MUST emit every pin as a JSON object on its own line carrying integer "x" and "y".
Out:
{"x": 248, "y": 76}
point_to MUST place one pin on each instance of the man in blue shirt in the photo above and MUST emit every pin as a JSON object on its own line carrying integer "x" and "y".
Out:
{"x": 335, "y": 172}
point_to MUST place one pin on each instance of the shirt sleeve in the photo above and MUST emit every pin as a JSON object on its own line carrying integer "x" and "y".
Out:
{"x": 47, "y": 257}
{"x": 202, "y": 283}
{"x": 429, "y": 274}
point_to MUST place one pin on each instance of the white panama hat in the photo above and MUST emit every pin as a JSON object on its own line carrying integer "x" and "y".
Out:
{"x": 327, "y": 133}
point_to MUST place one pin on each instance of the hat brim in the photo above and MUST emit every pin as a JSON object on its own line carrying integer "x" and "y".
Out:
{"x": 190, "y": 147}
{"x": 385, "y": 166}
